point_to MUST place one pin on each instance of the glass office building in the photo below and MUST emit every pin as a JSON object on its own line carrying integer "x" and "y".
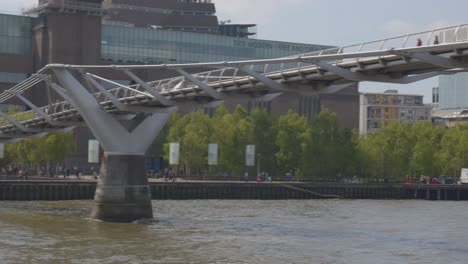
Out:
{"x": 453, "y": 91}
{"x": 15, "y": 34}
{"x": 123, "y": 44}
{"x": 15, "y": 41}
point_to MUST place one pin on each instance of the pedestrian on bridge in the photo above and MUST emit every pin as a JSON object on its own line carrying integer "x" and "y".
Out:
{"x": 419, "y": 42}
{"x": 436, "y": 40}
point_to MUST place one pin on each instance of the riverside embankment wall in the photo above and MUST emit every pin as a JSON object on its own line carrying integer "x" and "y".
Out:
{"x": 84, "y": 190}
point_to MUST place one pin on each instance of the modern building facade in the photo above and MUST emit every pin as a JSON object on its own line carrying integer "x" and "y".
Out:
{"x": 453, "y": 89}
{"x": 145, "y": 32}
{"x": 435, "y": 97}
{"x": 450, "y": 117}
{"x": 379, "y": 109}
{"x": 16, "y": 52}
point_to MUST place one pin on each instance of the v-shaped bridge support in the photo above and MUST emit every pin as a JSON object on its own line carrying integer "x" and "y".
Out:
{"x": 123, "y": 193}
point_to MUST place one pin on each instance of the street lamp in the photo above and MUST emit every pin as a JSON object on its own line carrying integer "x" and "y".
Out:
{"x": 258, "y": 164}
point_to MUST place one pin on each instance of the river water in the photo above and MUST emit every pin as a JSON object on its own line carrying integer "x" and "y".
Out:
{"x": 218, "y": 231}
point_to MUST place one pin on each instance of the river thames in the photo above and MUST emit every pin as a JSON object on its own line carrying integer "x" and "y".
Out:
{"x": 219, "y": 231}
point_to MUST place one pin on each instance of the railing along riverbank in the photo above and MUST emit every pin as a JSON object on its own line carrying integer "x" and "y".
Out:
{"x": 20, "y": 190}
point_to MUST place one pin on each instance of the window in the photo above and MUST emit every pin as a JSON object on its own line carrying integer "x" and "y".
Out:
{"x": 7, "y": 77}
{"x": 155, "y": 45}
{"x": 15, "y": 34}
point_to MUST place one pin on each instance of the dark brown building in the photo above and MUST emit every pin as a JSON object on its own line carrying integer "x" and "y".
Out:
{"x": 145, "y": 32}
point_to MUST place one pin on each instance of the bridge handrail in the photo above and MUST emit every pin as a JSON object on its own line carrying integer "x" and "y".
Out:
{"x": 404, "y": 38}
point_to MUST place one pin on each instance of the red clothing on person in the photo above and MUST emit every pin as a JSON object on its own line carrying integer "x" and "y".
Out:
{"x": 419, "y": 43}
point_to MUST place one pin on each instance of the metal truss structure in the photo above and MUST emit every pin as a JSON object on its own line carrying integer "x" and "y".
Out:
{"x": 323, "y": 71}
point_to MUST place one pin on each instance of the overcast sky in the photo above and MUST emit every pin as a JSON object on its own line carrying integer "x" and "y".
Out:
{"x": 335, "y": 22}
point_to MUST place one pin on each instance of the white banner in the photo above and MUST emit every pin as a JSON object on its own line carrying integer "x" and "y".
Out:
{"x": 93, "y": 151}
{"x": 212, "y": 154}
{"x": 250, "y": 155}
{"x": 174, "y": 154}
{"x": 2, "y": 150}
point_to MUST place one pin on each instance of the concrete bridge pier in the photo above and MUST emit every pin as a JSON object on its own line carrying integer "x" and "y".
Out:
{"x": 122, "y": 193}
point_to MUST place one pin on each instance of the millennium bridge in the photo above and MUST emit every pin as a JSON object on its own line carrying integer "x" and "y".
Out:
{"x": 127, "y": 118}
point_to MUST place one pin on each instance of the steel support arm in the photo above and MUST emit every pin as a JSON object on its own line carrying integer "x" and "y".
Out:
{"x": 43, "y": 114}
{"x": 420, "y": 77}
{"x": 119, "y": 85}
{"x": 18, "y": 125}
{"x": 159, "y": 97}
{"x": 355, "y": 76}
{"x": 277, "y": 86}
{"x": 208, "y": 90}
{"x": 113, "y": 136}
{"x": 115, "y": 101}
{"x": 13, "y": 136}
{"x": 433, "y": 59}
{"x": 13, "y": 140}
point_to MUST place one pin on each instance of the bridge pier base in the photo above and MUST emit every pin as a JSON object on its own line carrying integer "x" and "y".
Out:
{"x": 122, "y": 193}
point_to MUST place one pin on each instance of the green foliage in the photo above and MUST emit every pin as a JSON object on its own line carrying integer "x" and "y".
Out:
{"x": 315, "y": 150}
{"x": 264, "y": 136}
{"x": 157, "y": 149}
{"x": 194, "y": 143}
{"x": 52, "y": 148}
{"x": 424, "y": 159}
{"x": 290, "y": 139}
{"x": 232, "y": 132}
{"x": 329, "y": 150}
{"x": 453, "y": 153}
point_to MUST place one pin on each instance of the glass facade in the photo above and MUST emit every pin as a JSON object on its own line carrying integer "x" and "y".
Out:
{"x": 453, "y": 91}
{"x": 9, "y": 77}
{"x": 399, "y": 100}
{"x": 122, "y": 44}
{"x": 15, "y": 34}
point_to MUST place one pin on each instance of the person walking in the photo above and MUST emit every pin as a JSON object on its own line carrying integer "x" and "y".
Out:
{"x": 419, "y": 42}
{"x": 436, "y": 40}
{"x": 77, "y": 173}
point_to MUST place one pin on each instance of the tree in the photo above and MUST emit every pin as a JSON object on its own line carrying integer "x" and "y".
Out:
{"x": 232, "y": 132}
{"x": 158, "y": 148}
{"x": 292, "y": 130}
{"x": 58, "y": 146}
{"x": 329, "y": 150}
{"x": 427, "y": 138}
{"x": 453, "y": 154}
{"x": 397, "y": 149}
{"x": 194, "y": 143}
{"x": 264, "y": 134}
{"x": 369, "y": 156}
{"x": 176, "y": 134}
{"x": 43, "y": 151}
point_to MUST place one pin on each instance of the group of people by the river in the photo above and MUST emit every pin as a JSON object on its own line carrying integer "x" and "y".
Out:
{"x": 266, "y": 177}
{"x": 65, "y": 172}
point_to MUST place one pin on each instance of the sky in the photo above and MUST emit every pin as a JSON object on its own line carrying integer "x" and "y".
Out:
{"x": 335, "y": 22}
